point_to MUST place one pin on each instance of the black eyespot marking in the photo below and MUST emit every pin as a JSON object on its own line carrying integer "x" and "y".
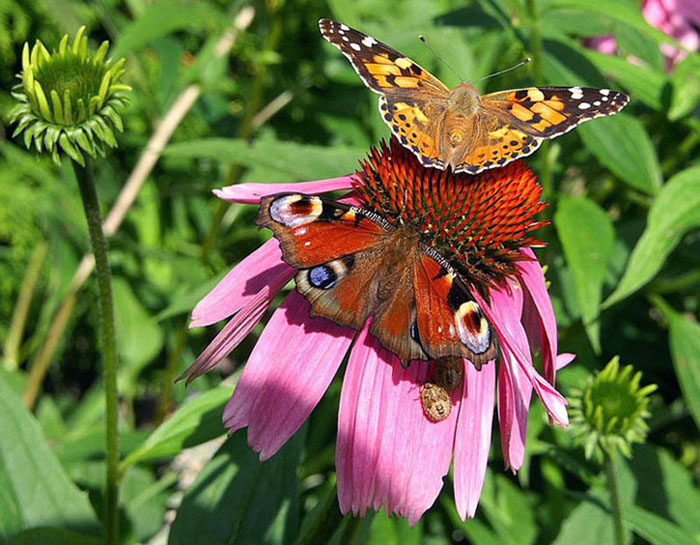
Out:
{"x": 387, "y": 117}
{"x": 513, "y": 142}
{"x": 348, "y": 261}
{"x": 322, "y": 277}
{"x": 525, "y": 149}
{"x": 402, "y": 117}
{"x": 456, "y": 296}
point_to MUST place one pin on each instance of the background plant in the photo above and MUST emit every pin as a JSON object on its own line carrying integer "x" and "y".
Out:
{"x": 281, "y": 105}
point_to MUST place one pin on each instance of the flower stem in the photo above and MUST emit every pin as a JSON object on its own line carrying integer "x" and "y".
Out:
{"x": 615, "y": 502}
{"x": 88, "y": 192}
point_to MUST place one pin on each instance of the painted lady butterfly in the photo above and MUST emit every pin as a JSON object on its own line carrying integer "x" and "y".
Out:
{"x": 458, "y": 127}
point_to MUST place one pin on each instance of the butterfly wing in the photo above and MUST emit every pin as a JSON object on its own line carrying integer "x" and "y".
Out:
{"x": 382, "y": 68}
{"x": 450, "y": 322}
{"x": 513, "y": 124}
{"x": 341, "y": 253}
{"x": 413, "y": 101}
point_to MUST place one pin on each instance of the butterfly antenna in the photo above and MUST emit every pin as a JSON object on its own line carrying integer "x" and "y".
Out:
{"x": 432, "y": 49}
{"x": 521, "y": 63}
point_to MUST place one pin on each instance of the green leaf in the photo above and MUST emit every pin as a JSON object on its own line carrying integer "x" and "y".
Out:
{"x": 666, "y": 487}
{"x": 162, "y": 18}
{"x": 192, "y": 424}
{"x": 52, "y": 536}
{"x": 237, "y": 499}
{"x": 508, "y": 510}
{"x": 140, "y": 337}
{"x": 627, "y": 13}
{"x": 587, "y": 237}
{"x": 655, "y": 529}
{"x": 673, "y": 213}
{"x": 642, "y": 83}
{"x": 287, "y": 160}
{"x": 684, "y": 340}
{"x": 621, "y": 143}
{"x": 685, "y": 87}
{"x": 34, "y": 489}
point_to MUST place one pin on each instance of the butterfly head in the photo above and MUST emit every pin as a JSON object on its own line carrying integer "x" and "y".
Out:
{"x": 464, "y": 99}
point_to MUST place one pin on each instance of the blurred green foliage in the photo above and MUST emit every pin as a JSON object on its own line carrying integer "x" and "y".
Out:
{"x": 623, "y": 261}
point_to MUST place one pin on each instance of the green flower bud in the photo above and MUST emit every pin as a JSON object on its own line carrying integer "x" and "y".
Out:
{"x": 609, "y": 413}
{"x": 69, "y": 100}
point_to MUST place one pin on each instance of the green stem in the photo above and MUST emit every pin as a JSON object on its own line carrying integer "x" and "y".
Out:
{"x": 615, "y": 502}
{"x": 88, "y": 192}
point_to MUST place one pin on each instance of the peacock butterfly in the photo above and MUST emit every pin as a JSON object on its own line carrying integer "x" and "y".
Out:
{"x": 354, "y": 264}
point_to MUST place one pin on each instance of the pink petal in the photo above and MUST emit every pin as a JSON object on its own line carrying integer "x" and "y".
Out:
{"x": 229, "y": 337}
{"x": 473, "y": 438}
{"x": 564, "y": 359}
{"x": 535, "y": 283}
{"x": 287, "y": 373}
{"x": 605, "y": 44}
{"x": 503, "y": 318}
{"x": 252, "y": 193}
{"x": 388, "y": 453}
{"x": 514, "y": 394}
{"x": 262, "y": 272}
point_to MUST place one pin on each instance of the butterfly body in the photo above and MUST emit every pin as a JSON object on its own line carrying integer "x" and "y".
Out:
{"x": 460, "y": 128}
{"x": 354, "y": 264}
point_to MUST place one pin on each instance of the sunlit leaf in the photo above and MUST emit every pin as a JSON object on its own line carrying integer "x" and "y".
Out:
{"x": 587, "y": 237}
{"x": 238, "y": 499}
{"x": 674, "y": 212}
{"x": 34, "y": 489}
{"x": 622, "y": 144}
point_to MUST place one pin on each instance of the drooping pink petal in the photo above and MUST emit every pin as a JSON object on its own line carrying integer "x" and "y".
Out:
{"x": 499, "y": 317}
{"x": 263, "y": 271}
{"x": 537, "y": 296}
{"x": 564, "y": 359}
{"x": 229, "y": 337}
{"x": 388, "y": 452}
{"x": 252, "y": 193}
{"x": 514, "y": 387}
{"x": 287, "y": 373}
{"x": 473, "y": 437}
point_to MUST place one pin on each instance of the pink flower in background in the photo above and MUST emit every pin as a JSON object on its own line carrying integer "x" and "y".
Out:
{"x": 388, "y": 452}
{"x": 679, "y": 19}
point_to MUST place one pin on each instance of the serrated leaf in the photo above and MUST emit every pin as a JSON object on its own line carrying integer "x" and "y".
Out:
{"x": 587, "y": 237}
{"x": 238, "y": 499}
{"x": 621, "y": 143}
{"x": 673, "y": 213}
{"x": 34, "y": 489}
{"x": 193, "y": 423}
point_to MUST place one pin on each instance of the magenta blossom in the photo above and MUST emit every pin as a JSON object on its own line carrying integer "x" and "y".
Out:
{"x": 388, "y": 452}
{"x": 679, "y": 19}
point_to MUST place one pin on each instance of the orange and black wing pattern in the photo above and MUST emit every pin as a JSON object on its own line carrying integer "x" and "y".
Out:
{"x": 514, "y": 123}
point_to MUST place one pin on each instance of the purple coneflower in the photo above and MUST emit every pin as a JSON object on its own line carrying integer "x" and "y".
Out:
{"x": 389, "y": 453}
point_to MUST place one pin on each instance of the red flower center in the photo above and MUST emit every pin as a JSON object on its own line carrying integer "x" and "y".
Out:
{"x": 477, "y": 223}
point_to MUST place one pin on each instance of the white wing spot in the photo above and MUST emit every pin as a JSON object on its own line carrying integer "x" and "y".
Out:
{"x": 596, "y": 103}
{"x": 344, "y": 27}
{"x": 604, "y": 92}
{"x": 605, "y": 99}
{"x": 356, "y": 47}
{"x": 346, "y": 39}
{"x": 368, "y": 41}
{"x": 576, "y": 93}
{"x": 584, "y": 106}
